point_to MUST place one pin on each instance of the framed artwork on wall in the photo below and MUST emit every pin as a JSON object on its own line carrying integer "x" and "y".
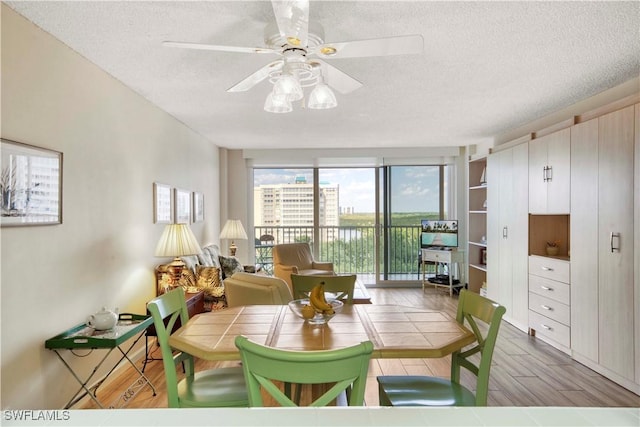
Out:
{"x": 30, "y": 185}
{"x": 182, "y": 206}
{"x": 198, "y": 207}
{"x": 162, "y": 204}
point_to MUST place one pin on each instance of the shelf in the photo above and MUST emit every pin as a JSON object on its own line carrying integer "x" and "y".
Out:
{"x": 482, "y": 245}
{"x": 477, "y": 212}
{"x": 480, "y": 267}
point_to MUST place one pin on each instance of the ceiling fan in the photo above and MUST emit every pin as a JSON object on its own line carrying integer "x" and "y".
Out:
{"x": 301, "y": 49}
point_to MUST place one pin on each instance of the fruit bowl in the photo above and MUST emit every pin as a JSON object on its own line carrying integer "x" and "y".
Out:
{"x": 318, "y": 318}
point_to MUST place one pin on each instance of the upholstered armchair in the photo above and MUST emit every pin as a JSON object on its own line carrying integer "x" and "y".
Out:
{"x": 249, "y": 289}
{"x": 297, "y": 258}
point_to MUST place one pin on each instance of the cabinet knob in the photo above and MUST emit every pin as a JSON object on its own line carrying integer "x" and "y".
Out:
{"x": 546, "y": 288}
{"x": 547, "y": 268}
{"x": 548, "y": 328}
{"x": 546, "y": 307}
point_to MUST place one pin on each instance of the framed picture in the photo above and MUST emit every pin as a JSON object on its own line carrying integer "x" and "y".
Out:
{"x": 162, "y": 206}
{"x": 483, "y": 256}
{"x": 30, "y": 184}
{"x": 198, "y": 207}
{"x": 182, "y": 206}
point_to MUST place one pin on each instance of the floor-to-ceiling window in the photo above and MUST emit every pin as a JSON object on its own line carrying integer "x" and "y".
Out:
{"x": 366, "y": 220}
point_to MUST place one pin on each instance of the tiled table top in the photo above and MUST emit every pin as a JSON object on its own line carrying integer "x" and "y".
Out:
{"x": 396, "y": 331}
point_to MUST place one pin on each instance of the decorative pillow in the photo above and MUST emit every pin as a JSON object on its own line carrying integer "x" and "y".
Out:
{"x": 188, "y": 279}
{"x": 229, "y": 266}
{"x": 213, "y": 252}
{"x": 210, "y": 282}
{"x": 204, "y": 258}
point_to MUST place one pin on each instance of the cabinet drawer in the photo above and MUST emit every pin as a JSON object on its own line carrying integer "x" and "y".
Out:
{"x": 557, "y": 291}
{"x": 550, "y": 308}
{"x": 550, "y": 329}
{"x": 550, "y": 268}
{"x": 436, "y": 256}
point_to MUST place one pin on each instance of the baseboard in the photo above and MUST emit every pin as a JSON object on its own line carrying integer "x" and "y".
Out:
{"x": 616, "y": 378}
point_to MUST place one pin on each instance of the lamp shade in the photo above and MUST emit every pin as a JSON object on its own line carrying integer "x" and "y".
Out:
{"x": 288, "y": 86}
{"x": 177, "y": 240}
{"x": 233, "y": 229}
{"x": 277, "y": 104}
{"x": 322, "y": 97}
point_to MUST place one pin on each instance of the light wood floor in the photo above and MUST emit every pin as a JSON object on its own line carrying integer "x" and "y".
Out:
{"x": 525, "y": 371}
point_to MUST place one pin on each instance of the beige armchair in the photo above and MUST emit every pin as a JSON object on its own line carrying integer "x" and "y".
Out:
{"x": 248, "y": 289}
{"x": 296, "y": 258}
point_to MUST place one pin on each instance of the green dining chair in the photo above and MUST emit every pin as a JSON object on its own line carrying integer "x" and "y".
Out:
{"x": 265, "y": 368}
{"x": 411, "y": 390}
{"x": 220, "y": 387}
{"x": 342, "y": 285}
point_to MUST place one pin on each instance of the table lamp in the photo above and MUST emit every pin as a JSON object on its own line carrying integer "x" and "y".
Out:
{"x": 233, "y": 229}
{"x": 177, "y": 240}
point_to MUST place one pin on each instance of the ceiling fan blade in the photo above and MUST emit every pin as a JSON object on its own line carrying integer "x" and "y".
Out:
{"x": 187, "y": 45}
{"x": 292, "y": 17}
{"x": 400, "y": 45}
{"x": 256, "y": 77}
{"x": 339, "y": 80}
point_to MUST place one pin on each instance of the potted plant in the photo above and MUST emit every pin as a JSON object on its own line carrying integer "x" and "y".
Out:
{"x": 553, "y": 247}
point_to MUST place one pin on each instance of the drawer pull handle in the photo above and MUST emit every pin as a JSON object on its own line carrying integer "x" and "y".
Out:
{"x": 546, "y": 288}
{"x": 547, "y": 268}
{"x": 548, "y": 328}
{"x": 546, "y": 307}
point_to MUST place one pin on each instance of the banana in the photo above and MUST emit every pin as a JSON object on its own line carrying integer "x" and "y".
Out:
{"x": 318, "y": 301}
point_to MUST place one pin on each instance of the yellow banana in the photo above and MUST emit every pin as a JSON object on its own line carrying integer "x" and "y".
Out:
{"x": 317, "y": 299}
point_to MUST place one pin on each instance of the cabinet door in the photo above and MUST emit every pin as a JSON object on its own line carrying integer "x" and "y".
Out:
{"x": 506, "y": 209}
{"x": 519, "y": 236}
{"x": 500, "y": 207}
{"x": 615, "y": 207}
{"x": 537, "y": 182}
{"x": 559, "y": 179}
{"x": 584, "y": 238}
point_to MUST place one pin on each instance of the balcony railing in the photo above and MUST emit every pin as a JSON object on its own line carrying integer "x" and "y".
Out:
{"x": 351, "y": 249}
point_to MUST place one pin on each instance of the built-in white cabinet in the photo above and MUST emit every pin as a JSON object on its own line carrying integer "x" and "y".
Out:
{"x": 550, "y": 300}
{"x": 549, "y": 173}
{"x": 507, "y": 232}
{"x": 604, "y": 292}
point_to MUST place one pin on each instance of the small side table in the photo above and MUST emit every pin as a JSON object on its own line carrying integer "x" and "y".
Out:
{"x": 442, "y": 256}
{"x": 84, "y": 337}
{"x": 195, "y": 305}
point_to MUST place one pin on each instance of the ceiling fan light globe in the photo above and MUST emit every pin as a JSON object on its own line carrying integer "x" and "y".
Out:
{"x": 322, "y": 98}
{"x": 287, "y": 85}
{"x": 277, "y": 104}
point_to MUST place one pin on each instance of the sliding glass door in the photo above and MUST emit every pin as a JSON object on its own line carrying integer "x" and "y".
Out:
{"x": 364, "y": 220}
{"x": 408, "y": 194}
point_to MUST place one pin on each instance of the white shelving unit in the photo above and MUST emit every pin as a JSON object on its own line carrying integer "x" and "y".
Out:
{"x": 477, "y": 223}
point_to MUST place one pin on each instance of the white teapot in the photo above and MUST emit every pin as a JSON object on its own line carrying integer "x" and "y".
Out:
{"x": 103, "y": 319}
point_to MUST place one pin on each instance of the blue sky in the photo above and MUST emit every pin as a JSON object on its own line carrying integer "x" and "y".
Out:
{"x": 414, "y": 188}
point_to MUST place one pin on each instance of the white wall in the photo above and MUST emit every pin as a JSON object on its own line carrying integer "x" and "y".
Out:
{"x": 115, "y": 145}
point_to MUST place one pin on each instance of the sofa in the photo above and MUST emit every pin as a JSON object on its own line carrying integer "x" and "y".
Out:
{"x": 204, "y": 272}
{"x": 248, "y": 289}
{"x": 296, "y": 258}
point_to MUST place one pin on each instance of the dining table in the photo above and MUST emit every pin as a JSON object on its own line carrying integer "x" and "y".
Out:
{"x": 396, "y": 331}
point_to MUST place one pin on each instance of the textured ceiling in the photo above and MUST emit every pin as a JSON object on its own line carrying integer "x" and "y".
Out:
{"x": 487, "y": 67}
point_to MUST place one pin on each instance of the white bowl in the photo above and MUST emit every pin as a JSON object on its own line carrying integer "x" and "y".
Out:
{"x": 319, "y": 318}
